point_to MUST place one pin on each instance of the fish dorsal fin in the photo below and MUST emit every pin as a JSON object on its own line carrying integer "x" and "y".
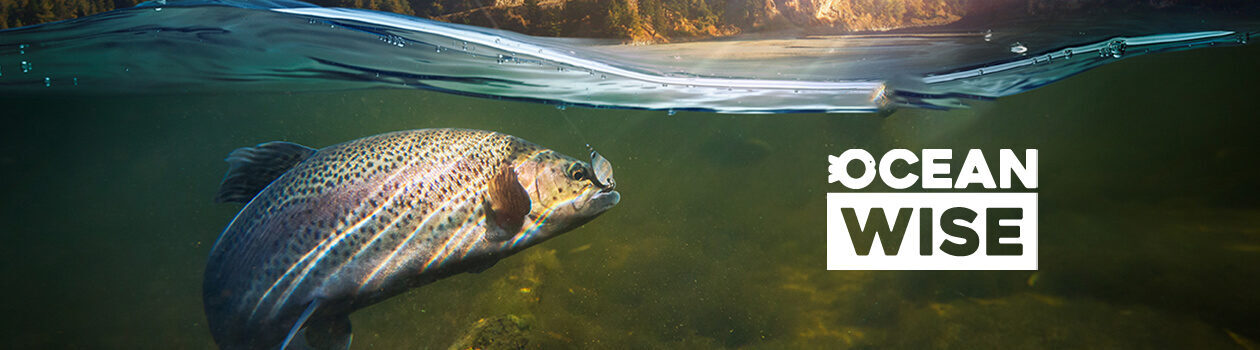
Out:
{"x": 507, "y": 205}
{"x": 250, "y": 169}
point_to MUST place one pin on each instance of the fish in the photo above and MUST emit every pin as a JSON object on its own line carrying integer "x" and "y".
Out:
{"x": 326, "y": 232}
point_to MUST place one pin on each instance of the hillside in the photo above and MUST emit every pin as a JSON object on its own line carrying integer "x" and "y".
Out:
{"x": 651, "y": 21}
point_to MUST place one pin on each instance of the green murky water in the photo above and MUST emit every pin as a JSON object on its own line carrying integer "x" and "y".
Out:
{"x": 1150, "y": 220}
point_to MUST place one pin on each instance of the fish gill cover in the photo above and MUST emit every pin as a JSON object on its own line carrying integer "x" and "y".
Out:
{"x": 207, "y": 46}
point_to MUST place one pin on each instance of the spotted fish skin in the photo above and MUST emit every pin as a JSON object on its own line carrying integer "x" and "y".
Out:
{"x": 365, "y": 220}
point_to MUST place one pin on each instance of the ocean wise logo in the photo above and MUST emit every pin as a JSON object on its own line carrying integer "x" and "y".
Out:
{"x": 928, "y": 228}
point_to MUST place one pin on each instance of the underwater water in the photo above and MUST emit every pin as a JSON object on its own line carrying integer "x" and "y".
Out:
{"x": 1149, "y": 213}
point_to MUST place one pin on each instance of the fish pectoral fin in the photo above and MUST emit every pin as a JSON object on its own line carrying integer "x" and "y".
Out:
{"x": 297, "y": 325}
{"x": 322, "y": 333}
{"x": 332, "y": 333}
{"x": 507, "y": 204}
{"x": 250, "y": 169}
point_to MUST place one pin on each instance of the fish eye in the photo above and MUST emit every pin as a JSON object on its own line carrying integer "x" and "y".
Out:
{"x": 577, "y": 172}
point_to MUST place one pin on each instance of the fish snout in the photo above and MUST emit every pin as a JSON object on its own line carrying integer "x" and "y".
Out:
{"x": 605, "y": 199}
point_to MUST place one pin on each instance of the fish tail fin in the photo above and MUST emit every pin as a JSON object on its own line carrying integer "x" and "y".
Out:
{"x": 250, "y": 169}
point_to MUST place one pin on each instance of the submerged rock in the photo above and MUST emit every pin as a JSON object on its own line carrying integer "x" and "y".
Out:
{"x": 505, "y": 332}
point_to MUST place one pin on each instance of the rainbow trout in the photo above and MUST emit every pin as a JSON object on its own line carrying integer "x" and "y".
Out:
{"x": 330, "y": 231}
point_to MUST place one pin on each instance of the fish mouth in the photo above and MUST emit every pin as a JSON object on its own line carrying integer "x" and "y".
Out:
{"x": 599, "y": 201}
{"x": 605, "y": 199}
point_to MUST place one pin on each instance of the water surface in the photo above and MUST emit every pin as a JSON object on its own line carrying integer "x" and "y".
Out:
{"x": 206, "y": 46}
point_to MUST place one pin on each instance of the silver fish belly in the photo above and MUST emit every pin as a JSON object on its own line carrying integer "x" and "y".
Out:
{"x": 334, "y": 230}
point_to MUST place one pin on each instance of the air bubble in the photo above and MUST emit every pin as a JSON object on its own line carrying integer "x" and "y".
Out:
{"x": 561, "y": 106}
{"x": 26, "y": 67}
{"x": 1115, "y": 49}
{"x": 76, "y": 81}
{"x": 22, "y": 48}
{"x": 1067, "y": 53}
{"x": 988, "y": 35}
{"x": 1018, "y": 48}
{"x": 1242, "y": 38}
{"x": 496, "y": 40}
{"x": 47, "y": 81}
{"x": 393, "y": 40}
{"x": 671, "y": 112}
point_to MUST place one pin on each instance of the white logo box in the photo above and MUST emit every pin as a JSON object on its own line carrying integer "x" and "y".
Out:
{"x": 841, "y": 254}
